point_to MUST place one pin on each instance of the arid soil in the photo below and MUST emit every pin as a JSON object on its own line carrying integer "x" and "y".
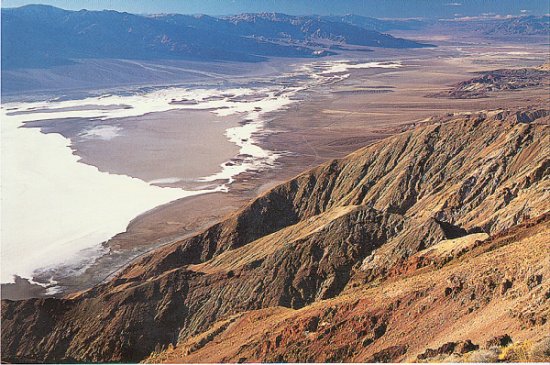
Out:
{"x": 433, "y": 236}
{"x": 330, "y": 123}
{"x": 487, "y": 82}
{"x": 427, "y": 312}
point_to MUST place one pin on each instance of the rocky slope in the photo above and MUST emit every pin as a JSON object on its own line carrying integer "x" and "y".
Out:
{"x": 40, "y": 36}
{"x": 497, "y": 80}
{"x": 424, "y": 238}
{"x": 310, "y": 28}
{"x": 523, "y": 25}
{"x": 509, "y": 27}
{"x": 446, "y": 306}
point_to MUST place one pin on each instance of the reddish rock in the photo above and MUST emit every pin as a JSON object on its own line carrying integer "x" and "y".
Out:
{"x": 389, "y": 354}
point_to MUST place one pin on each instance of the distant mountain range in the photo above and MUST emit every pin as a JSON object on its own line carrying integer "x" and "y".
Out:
{"x": 380, "y": 25}
{"x": 489, "y": 82}
{"x": 37, "y": 36}
{"x": 527, "y": 25}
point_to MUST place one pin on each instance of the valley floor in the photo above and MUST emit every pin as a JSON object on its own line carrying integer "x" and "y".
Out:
{"x": 336, "y": 121}
{"x": 332, "y": 122}
{"x": 419, "y": 233}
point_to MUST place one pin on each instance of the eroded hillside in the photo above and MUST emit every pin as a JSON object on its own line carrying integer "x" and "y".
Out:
{"x": 498, "y": 80}
{"x": 440, "y": 305}
{"x": 437, "y": 234}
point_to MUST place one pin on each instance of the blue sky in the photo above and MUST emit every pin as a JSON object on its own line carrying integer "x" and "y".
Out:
{"x": 375, "y": 8}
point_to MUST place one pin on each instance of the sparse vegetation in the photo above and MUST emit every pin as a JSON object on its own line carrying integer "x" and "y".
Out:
{"x": 540, "y": 352}
{"x": 525, "y": 351}
{"x": 516, "y": 352}
{"x": 490, "y": 355}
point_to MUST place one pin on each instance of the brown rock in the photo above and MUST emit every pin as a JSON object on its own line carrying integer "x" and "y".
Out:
{"x": 449, "y": 348}
{"x": 499, "y": 341}
{"x": 389, "y": 354}
{"x": 465, "y": 346}
{"x": 506, "y": 284}
{"x": 534, "y": 280}
{"x": 306, "y": 240}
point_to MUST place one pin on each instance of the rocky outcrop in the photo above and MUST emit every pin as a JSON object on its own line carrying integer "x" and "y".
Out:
{"x": 340, "y": 228}
{"x": 499, "y": 341}
{"x": 401, "y": 318}
{"x": 449, "y": 348}
{"x": 505, "y": 79}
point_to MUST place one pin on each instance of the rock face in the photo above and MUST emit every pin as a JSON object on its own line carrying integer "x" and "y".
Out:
{"x": 448, "y": 349}
{"x": 357, "y": 259}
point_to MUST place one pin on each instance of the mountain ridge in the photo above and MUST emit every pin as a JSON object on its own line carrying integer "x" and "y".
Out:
{"x": 43, "y": 36}
{"x": 349, "y": 223}
{"x": 427, "y": 314}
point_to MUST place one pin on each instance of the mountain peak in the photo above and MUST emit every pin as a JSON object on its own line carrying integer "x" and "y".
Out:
{"x": 59, "y": 37}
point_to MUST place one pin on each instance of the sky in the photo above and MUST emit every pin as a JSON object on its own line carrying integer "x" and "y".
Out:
{"x": 374, "y": 8}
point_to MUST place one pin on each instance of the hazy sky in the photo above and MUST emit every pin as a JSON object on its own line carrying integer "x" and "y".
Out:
{"x": 376, "y": 8}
